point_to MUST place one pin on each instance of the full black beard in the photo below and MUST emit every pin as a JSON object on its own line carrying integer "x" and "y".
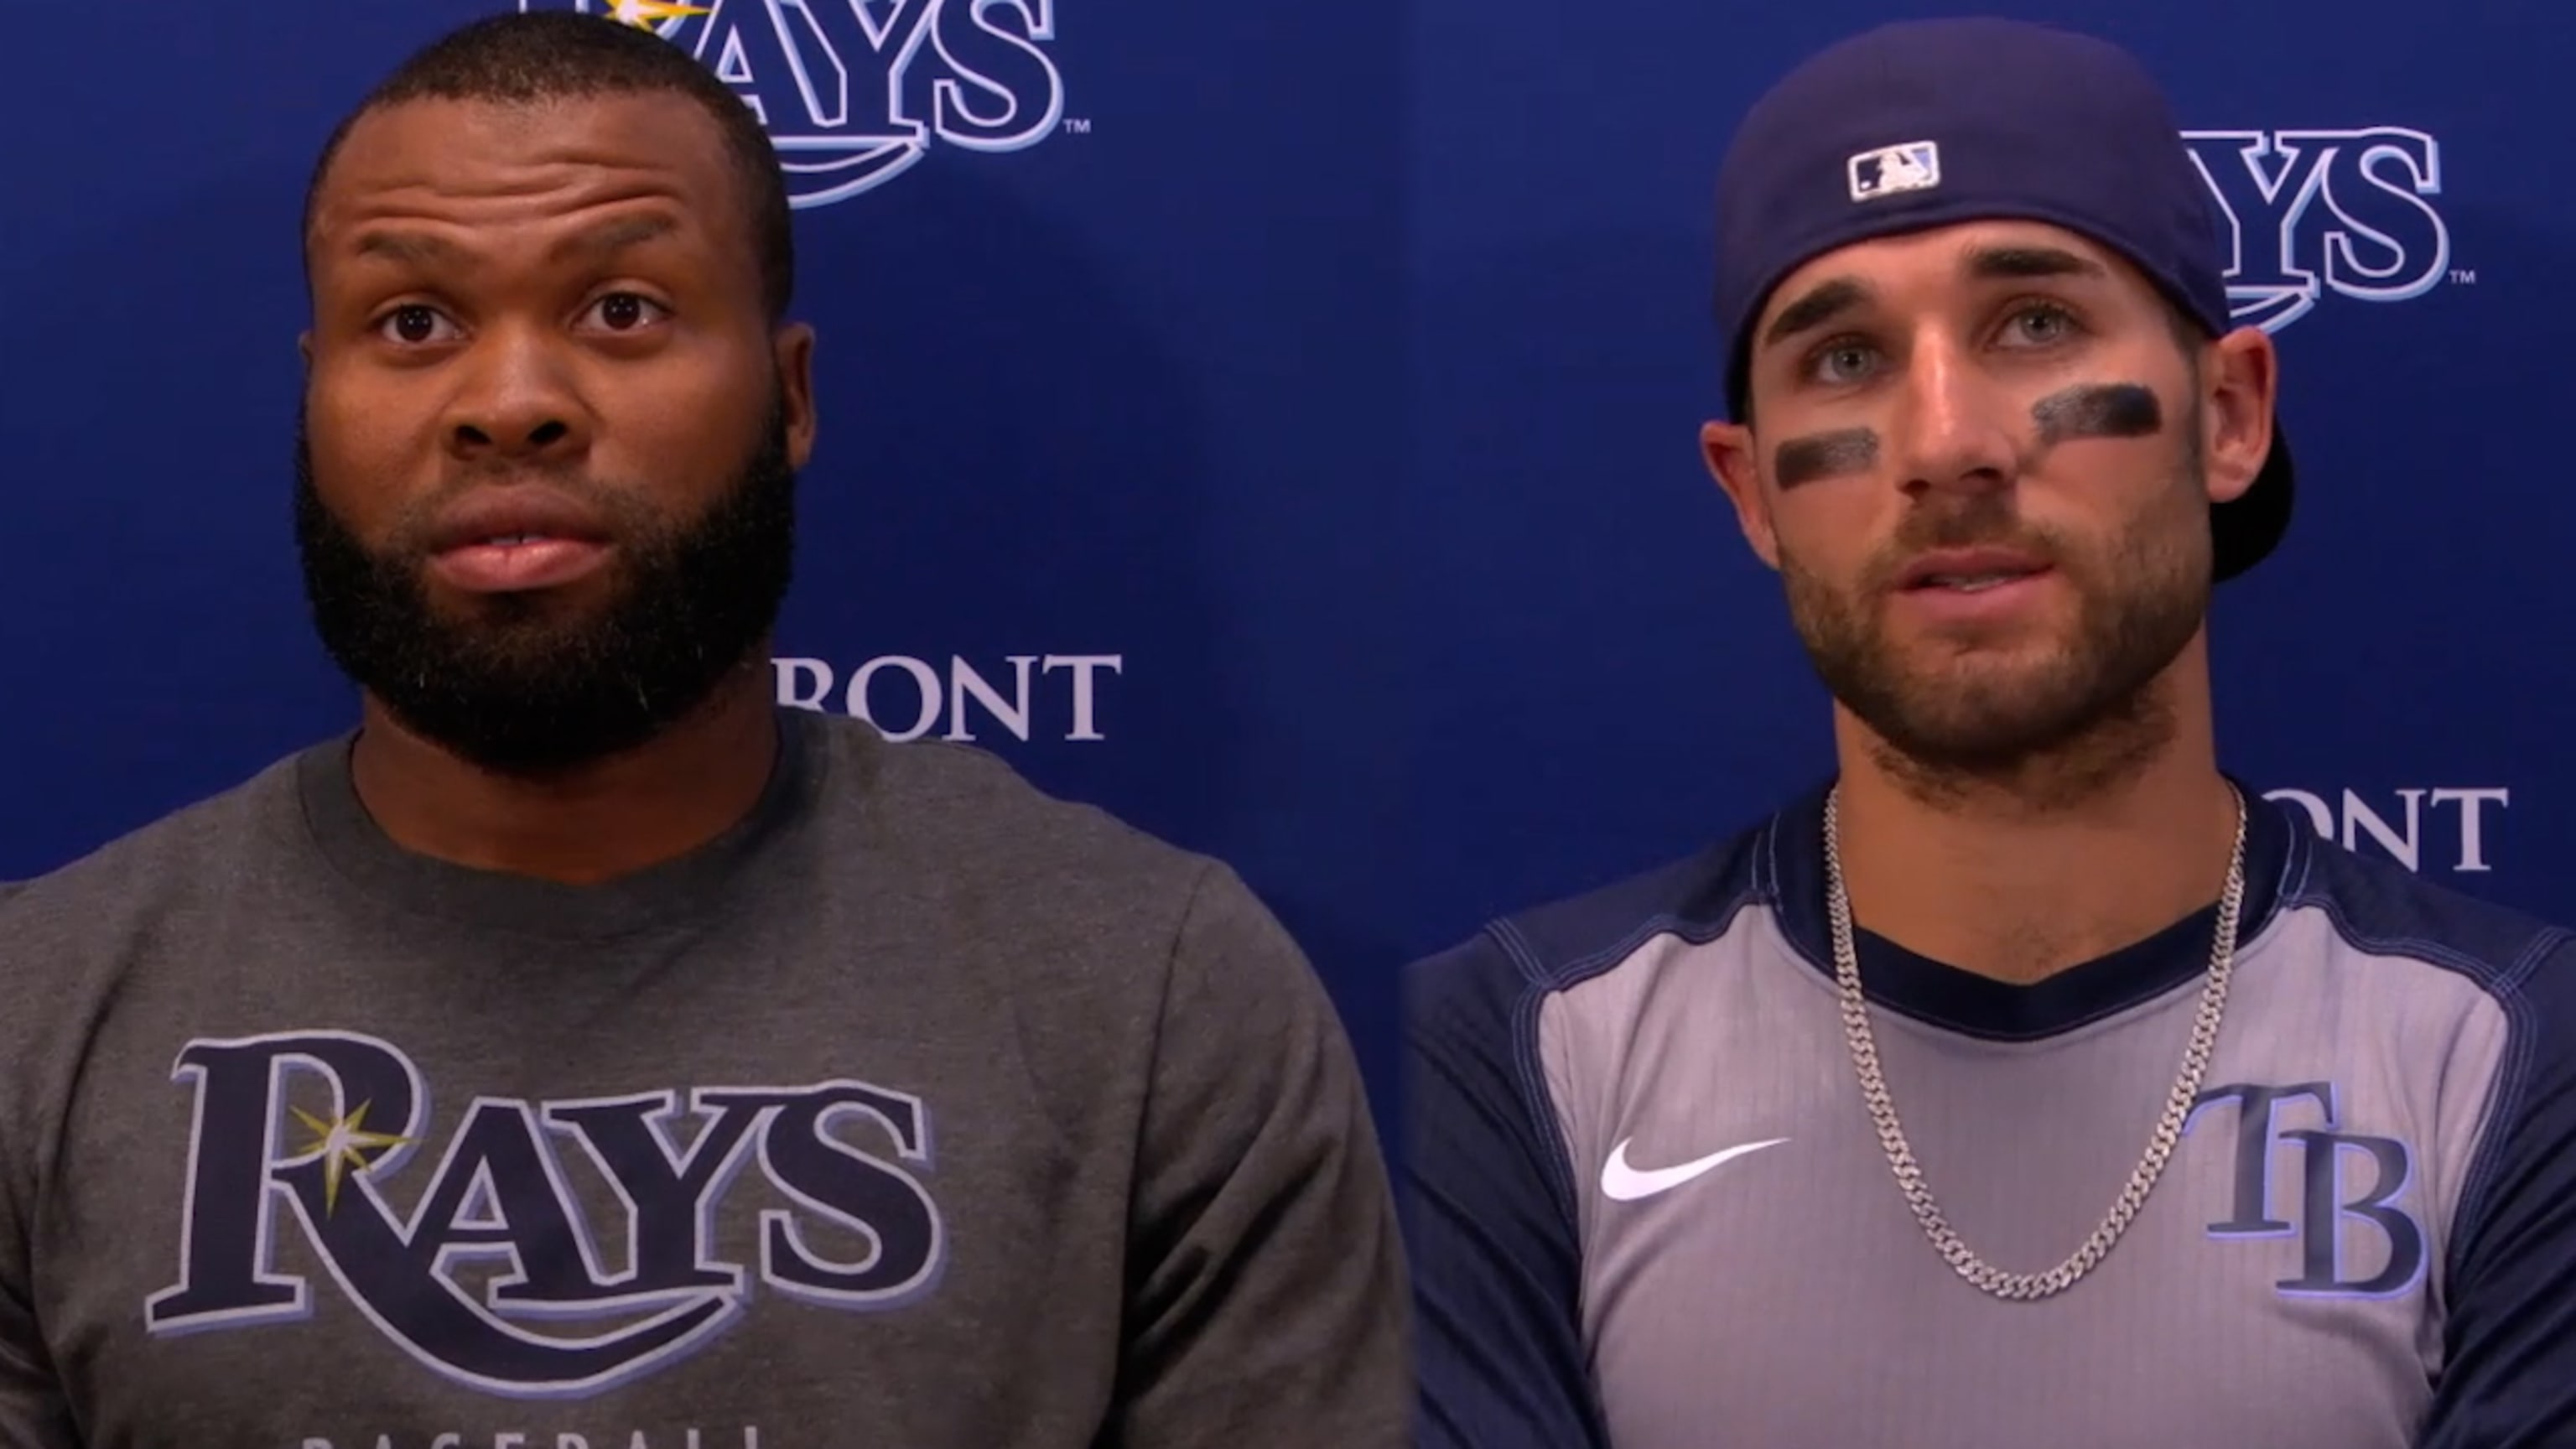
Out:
{"x": 518, "y": 685}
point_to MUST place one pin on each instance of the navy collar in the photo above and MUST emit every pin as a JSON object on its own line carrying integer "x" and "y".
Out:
{"x": 1962, "y": 1001}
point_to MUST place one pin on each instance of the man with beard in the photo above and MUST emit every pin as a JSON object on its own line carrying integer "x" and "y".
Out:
{"x": 586, "y": 1051}
{"x": 2032, "y": 1082}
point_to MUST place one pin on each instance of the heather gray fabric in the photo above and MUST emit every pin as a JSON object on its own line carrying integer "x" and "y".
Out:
{"x": 1738, "y": 1297}
{"x": 921, "y": 1110}
{"x": 1649, "y": 1210}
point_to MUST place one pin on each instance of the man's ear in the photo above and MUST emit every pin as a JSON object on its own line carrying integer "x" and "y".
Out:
{"x": 792, "y": 347}
{"x": 304, "y": 349}
{"x": 1727, "y": 448}
{"x": 2240, "y": 383}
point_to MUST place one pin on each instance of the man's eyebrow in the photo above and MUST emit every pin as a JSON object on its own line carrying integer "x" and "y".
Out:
{"x": 2019, "y": 263}
{"x": 422, "y": 248}
{"x": 610, "y": 237}
{"x": 1828, "y": 300}
{"x": 417, "y": 247}
{"x": 1818, "y": 306}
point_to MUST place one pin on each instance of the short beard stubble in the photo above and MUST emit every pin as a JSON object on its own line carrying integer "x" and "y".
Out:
{"x": 2054, "y": 730}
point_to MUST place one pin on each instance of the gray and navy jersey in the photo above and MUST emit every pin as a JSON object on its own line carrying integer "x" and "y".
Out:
{"x": 1649, "y": 1210}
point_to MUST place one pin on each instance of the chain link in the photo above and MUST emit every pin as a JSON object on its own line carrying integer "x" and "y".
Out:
{"x": 2026, "y": 1287}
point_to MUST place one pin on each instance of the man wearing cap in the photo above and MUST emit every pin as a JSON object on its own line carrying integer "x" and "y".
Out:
{"x": 2032, "y": 1081}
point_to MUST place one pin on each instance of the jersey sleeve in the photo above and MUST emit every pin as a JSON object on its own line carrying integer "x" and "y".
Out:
{"x": 1267, "y": 1305}
{"x": 2508, "y": 1379}
{"x": 1495, "y": 1257}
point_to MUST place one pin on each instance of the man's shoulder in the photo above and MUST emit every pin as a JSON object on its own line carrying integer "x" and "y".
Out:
{"x": 2381, "y": 908}
{"x": 965, "y": 808}
{"x": 2513, "y": 1057}
{"x": 1557, "y": 943}
{"x": 182, "y": 854}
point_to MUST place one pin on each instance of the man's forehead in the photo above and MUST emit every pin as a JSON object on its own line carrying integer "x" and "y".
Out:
{"x": 1952, "y": 253}
{"x": 493, "y": 149}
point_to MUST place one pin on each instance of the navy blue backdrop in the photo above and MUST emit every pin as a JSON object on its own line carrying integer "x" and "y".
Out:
{"x": 1276, "y": 422}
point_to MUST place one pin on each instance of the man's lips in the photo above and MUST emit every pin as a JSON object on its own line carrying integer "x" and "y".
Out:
{"x": 1969, "y": 569}
{"x": 504, "y": 568}
{"x": 514, "y": 539}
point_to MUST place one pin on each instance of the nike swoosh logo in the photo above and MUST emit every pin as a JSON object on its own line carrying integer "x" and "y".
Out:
{"x": 1624, "y": 1183}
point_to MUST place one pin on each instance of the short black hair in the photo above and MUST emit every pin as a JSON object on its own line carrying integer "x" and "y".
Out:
{"x": 528, "y": 57}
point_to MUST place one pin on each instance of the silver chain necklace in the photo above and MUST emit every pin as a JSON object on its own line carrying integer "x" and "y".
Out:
{"x": 2027, "y": 1287}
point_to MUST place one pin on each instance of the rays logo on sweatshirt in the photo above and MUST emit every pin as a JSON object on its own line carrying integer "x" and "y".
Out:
{"x": 302, "y": 1131}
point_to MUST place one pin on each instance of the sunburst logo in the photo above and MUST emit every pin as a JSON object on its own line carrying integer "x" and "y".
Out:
{"x": 854, "y": 93}
{"x": 343, "y": 1146}
{"x": 646, "y": 14}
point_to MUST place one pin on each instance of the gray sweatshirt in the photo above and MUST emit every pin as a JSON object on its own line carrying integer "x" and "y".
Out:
{"x": 921, "y": 1111}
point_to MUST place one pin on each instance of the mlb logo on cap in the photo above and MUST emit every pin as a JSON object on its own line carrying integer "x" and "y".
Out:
{"x": 1889, "y": 170}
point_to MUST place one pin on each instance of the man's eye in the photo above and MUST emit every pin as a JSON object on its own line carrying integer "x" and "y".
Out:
{"x": 625, "y": 311}
{"x": 2041, "y": 325}
{"x": 415, "y": 324}
{"x": 1841, "y": 362}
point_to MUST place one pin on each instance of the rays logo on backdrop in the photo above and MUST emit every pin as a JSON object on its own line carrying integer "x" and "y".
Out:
{"x": 853, "y": 92}
{"x": 2313, "y": 212}
{"x": 2424, "y": 828}
{"x": 498, "y": 1237}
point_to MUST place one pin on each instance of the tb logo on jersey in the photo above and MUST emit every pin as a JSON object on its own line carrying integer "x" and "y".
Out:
{"x": 2311, "y": 212}
{"x": 2345, "y": 1208}
{"x": 853, "y": 92}
{"x": 301, "y": 1129}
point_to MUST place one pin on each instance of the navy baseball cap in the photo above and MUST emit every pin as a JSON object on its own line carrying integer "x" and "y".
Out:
{"x": 1925, "y": 123}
